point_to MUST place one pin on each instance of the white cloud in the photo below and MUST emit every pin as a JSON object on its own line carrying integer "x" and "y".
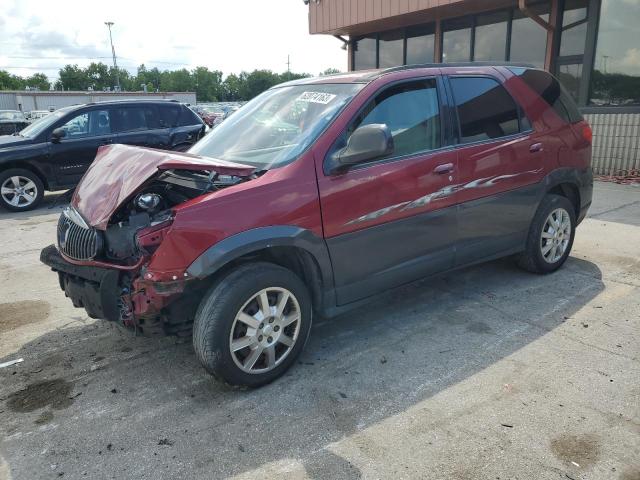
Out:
{"x": 227, "y": 35}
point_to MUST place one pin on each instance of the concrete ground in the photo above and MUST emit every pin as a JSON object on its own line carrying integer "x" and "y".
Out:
{"x": 486, "y": 373}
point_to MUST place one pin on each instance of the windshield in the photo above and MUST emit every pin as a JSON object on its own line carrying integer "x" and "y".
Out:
{"x": 41, "y": 124}
{"x": 11, "y": 116}
{"x": 277, "y": 126}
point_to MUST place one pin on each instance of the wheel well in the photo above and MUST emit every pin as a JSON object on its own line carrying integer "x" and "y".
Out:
{"x": 31, "y": 168}
{"x": 296, "y": 259}
{"x": 570, "y": 191}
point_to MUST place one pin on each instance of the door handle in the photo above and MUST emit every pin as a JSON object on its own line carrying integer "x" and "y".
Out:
{"x": 536, "y": 147}
{"x": 443, "y": 169}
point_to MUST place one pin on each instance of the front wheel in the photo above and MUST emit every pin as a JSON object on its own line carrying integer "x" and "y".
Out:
{"x": 550, "y": 236}
{"x": 253, "y": 324}
{"x": 20, "y": 189}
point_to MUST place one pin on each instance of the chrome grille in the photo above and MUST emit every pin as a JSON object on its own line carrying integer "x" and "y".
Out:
{"x": 76, "y": 241}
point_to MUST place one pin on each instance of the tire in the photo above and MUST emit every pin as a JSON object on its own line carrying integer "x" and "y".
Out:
{"x": 30, "y": 194}
{"x": 539, "y": 256}
{"x": 217, "y": 324}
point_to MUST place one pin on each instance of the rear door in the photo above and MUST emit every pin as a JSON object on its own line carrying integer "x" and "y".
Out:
{"x": 500, "y": 164}
{"x": 84, "y": 133}
{"x": 393, "y": 220}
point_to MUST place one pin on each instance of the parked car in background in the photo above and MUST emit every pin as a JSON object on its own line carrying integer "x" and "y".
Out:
{"x": 12, "y": 121}
{"x": 211, "y": 113}
{"x": 38, "y": 114}
{"x": 319, "y": 194}
{"x": 54, "y": 152}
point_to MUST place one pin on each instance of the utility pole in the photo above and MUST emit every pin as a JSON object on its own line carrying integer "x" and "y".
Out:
{"x": 288, "y": 68}
{"x": 113, "y": 52}
{"x": 605, "y": 58}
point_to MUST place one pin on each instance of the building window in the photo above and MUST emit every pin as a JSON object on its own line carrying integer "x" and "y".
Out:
{"x": 456, "y": 40}
{"x": 574, "y": 28}
{"x": 485, "y": 109}
{"x": 391, "y": 49}
{"x": 420, "y": 45}
{"x": 616, "y": 76}
{"x": 570, "y": 75}
{"x": 491, "y": 37}
{"x": 528, "y": 39}
{"x": 364, "y": 53}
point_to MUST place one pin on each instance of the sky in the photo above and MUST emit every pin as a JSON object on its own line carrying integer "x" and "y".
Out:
{"x": 227, "y": 35}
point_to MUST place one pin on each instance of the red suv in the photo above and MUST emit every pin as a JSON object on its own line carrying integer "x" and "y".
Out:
{"x": 318, "y": 194}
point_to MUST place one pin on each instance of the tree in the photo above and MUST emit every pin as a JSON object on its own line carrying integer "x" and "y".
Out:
{"x": 330, "y": 71}
{"x": 208, "y": 84}
{"x": 38, "y": 80}
{"x": 10, "y": 82}
{"x": 72, "y": 77}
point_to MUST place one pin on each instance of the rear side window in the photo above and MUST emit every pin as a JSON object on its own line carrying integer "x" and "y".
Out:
{"x": 133, "y": 118}
{"x": 168, "y": 115}
{"x": 188, "y": 117}
{"x": 411, "y": 111}
{"x": 485, "y": 109}
{"x": 545, "y": 85}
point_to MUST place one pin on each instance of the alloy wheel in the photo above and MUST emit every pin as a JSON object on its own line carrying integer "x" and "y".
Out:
{"x": 19, "y": 191}
{"x": 265, "y": 330}
{"x": 556, "y": 235}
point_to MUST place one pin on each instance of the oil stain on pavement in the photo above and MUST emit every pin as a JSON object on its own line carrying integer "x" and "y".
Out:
{"x": 55, "y": 394}
{"x": 583, "y": 450}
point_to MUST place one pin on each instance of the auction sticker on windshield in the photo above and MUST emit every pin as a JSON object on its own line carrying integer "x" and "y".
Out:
{"x": 316, "y": 97}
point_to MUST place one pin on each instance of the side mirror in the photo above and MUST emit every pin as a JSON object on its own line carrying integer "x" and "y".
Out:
{"x": 368, "y": 142}
{"x": 57, "y": 134}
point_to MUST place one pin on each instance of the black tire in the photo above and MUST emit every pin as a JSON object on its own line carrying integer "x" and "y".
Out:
{"x": 23, "y": 174}
{"x": 217, "y": 312}
{"x": 532, "y": 258}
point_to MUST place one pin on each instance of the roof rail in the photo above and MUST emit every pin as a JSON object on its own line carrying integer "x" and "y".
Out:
{"x": 456, "y": 64}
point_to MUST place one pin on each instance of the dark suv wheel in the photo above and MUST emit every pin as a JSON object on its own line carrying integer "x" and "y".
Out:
{"x": 20, "y": 189}
{"x": 251, "y": 326}
{"x": 550, "y": 236}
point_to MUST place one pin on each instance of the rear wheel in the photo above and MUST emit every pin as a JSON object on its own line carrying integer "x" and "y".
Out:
{"x": 20, "y": 189}
{"x": 550, "y": 236}
{"x": 251, "y": 326}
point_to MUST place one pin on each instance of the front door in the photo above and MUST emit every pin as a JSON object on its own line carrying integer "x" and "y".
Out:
{"x": 73, "y": 153}
{"x": 393, "y": 220}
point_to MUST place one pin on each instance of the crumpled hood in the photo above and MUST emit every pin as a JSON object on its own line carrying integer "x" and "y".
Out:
{"x": 118, "y": 171}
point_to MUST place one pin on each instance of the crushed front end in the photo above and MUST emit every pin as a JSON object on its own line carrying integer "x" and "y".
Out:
{"x": 104, "y": 250}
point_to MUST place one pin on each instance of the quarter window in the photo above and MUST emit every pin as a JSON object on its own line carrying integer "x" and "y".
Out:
{"x": 551, "y": 91}
{"x": 411, "y": 111}
{"x": 485, "y": 109}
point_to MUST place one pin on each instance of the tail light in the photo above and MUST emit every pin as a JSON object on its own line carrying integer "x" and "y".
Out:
{"x": 587, "y": 133}
{"x": 149, "y": 239}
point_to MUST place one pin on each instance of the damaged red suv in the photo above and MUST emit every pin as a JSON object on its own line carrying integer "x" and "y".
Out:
{"x": 318, "y": 194}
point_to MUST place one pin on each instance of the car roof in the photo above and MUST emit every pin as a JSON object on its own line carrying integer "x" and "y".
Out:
{"x": 366, "y": 76}
{"x": 129, "y": 101}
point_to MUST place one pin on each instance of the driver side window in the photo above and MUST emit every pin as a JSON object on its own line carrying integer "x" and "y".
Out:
{"x": 88, "y": 124}
{"x": 412, "y": 113}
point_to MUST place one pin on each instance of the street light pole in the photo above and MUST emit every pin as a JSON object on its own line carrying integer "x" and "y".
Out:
{"x": 113, "y": 52}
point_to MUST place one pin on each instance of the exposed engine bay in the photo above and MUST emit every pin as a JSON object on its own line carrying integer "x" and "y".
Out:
{"x": 151, "y": 207}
